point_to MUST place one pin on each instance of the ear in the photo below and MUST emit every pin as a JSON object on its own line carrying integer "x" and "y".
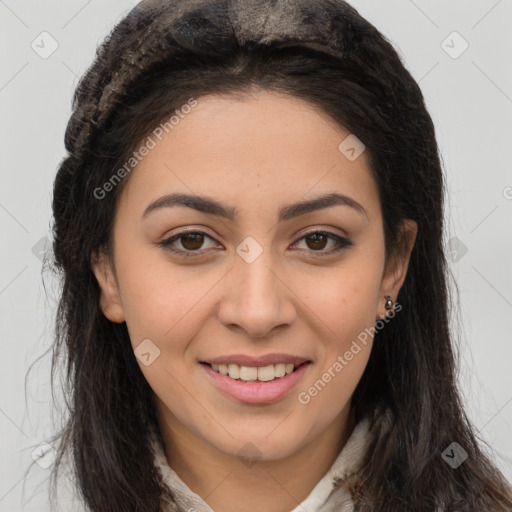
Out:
{"x": 396, "y": 268}
{"x": 110, "y": 300}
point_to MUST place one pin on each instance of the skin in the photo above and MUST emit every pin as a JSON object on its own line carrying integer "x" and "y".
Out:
{"x": 256, "y": 153}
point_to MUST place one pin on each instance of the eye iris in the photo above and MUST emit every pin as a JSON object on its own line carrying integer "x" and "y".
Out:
{"x": 197, "y": 240}
{"x": 315, "y": 237}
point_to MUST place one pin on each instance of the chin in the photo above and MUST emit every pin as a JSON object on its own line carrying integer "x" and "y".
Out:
{"x": 264, "y": 443}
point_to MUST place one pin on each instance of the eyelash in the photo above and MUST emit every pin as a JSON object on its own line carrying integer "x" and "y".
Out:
{"x": 343, "y": 243}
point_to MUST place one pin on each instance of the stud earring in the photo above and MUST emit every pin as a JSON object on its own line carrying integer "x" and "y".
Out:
{"x": 389, "y": 303}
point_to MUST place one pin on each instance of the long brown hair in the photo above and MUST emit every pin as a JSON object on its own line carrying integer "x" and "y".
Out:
{"x": 322, "y": 51}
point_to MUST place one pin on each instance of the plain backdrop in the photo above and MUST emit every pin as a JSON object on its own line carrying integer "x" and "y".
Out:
{"x": 460, "y": 52}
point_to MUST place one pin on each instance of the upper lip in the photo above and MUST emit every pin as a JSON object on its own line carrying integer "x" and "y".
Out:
{"x": 253, "y": 361}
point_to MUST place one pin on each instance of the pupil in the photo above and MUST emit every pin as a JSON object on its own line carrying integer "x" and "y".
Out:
{"x": 315, "y": 236}
{"x": 198, "y": 240}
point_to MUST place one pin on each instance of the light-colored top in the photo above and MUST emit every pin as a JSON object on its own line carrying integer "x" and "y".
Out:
{"x": 329, "y": 495}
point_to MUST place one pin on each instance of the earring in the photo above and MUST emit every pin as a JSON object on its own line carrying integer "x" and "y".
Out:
{"x": 389, "y": 303}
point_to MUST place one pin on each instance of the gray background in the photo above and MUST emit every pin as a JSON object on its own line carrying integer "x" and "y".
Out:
{"x": 469, "y": 97}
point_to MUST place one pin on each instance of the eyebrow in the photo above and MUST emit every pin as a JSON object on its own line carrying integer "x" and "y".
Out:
{"x": 213, "y": 207}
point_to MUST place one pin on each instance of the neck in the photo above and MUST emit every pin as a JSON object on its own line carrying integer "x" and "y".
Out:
{"x": 228, "y": 484}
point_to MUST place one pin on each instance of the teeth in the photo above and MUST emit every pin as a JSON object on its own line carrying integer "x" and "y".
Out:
{"x": 234, "y": 371}
{"x": 248, "y": 373}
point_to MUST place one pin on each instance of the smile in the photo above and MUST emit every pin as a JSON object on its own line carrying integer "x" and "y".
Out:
{"x": 264, "y": 384}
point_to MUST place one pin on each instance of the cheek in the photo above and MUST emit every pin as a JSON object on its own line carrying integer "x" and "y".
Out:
{"x": 346, "y": 305}
{"x": 344, "y": 347}
{"x": 159, "y": 297}
{"x": 331, "y": 386}
{"x": 345, "y": 299}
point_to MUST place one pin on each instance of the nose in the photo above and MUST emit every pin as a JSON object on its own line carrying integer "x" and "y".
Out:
{"x": 257, "y": 298}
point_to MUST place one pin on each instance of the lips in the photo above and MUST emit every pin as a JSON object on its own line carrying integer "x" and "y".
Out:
{"x": 257, "y": 361}
{"x": 256, "y": 391}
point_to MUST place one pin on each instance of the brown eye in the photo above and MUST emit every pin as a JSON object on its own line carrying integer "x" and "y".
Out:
{"x": 319, "y": 240}
{"x": 316, "y": 242}
{"x": 192, "y": 241}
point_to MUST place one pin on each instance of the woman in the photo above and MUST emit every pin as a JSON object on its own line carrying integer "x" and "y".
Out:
{"x": 254, "y": 309}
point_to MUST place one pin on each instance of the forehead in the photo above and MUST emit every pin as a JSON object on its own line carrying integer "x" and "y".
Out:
{"x": 242, "y": 149}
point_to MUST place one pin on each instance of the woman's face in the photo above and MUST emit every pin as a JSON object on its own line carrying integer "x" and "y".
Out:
{"x": 253, "y": 279}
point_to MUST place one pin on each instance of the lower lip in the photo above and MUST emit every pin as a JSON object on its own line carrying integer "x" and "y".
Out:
{"x": 257, "y": 392}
